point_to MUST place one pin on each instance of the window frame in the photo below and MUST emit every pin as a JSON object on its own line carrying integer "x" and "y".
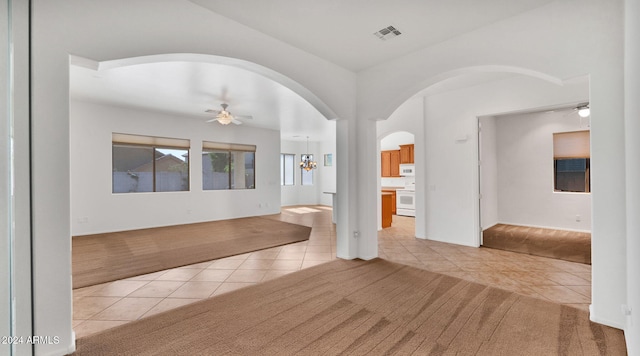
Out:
{"x": 575, "y": 145}
{"x": 154, "y": 143}
{"x": 283, "y": 177}
{"x": 230, "y": 149}
{"x": 302, "y": 172}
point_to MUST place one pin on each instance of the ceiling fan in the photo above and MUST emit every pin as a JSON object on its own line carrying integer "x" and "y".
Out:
{"x": 581, "y": 109}
{"x": 225, "y": 117}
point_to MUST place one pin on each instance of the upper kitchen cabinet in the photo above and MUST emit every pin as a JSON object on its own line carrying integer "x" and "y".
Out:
{"x": 390, "y": 163}
{"x": 406, "y": 154}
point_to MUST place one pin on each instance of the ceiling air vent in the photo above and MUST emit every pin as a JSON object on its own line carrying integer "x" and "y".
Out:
{"x": 387, "y": 33}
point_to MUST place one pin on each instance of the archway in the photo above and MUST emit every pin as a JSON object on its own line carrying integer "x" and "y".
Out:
{"x": 287, "y": 82}
{"x": 446, "y": 115}
{"x": 397, "y": 175}
{"x": 92, "y": 125}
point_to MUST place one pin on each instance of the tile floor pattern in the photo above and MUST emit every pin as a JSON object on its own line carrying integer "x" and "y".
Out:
{"x": 110, "y": 304}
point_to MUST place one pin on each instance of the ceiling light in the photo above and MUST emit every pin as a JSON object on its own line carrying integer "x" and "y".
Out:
{"x": 584, "y": 111}
{"x": 224, "y": 117}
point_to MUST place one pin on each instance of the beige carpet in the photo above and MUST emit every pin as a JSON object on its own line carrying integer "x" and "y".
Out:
{"x": 559, "y": 244}
{"x": 111, "y": 256}
{"x": 362, "y": 308}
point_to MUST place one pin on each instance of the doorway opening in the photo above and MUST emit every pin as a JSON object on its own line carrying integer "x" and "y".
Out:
{"x": 151, "y": 98}
{"x": 534, "y": 183}
{"x": 397, "y": 179}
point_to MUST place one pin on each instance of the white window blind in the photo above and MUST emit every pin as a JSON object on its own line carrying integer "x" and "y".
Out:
{"x": 228, "y": 146}
{"x": 287, "y": 165}
{"x": 150, "y": 140}
{"x": 571, "y": 145}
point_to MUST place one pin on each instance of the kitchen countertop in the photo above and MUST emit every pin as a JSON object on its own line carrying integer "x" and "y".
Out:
{"x": 391, "y": 188}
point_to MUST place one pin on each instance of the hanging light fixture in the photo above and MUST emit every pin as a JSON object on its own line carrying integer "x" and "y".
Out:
{"x": 584, "y": 110}
{"x": 307, "y": 163}
{"x": 224, "y": 117}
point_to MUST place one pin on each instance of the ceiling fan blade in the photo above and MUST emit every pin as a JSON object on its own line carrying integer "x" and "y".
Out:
{"x": 244, "y": 117}
{"x": 212, "y": 111}
{"x": 237, "y": 122}
{"x": 212, "y": 120}
{"x": 572, "y": 112}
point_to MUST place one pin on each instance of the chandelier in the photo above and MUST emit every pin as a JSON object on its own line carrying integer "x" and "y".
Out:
{"x": 307, "y": 163}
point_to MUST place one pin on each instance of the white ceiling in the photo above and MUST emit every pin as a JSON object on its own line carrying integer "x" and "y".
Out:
{"x": 189, "y": 88}
{"x": 342, "y": 31}
{"x": 339, "y": 31}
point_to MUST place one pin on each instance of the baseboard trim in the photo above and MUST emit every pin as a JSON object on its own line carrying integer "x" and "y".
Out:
{"x": 494, "y": 224}
{"x": 448, "y": 241}
{"x": 603, "y": 321}
{"x": 347, "y": 257}
{"x": 368, "y": 258}
{"x": 71, "y": 348}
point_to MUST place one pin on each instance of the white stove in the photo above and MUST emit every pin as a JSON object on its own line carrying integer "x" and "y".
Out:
{"x": 406, "y": 200}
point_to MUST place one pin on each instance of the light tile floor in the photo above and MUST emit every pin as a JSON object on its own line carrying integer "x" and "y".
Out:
{"x": 110, "y": 304}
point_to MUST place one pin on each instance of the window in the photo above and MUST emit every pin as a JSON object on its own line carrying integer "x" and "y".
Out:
{"x": 306, "y": 177}
{"x": 228, "y": 166}
{"x": 287, "y": 169}
{"x": 571, "y": 161}
{"x": 149, "y": 164}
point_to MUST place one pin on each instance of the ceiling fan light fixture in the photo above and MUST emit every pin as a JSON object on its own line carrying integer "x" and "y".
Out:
{"x": 224, "y": 117}
{"x": 584, "y": 111}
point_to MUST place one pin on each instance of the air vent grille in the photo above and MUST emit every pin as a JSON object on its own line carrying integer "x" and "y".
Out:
{"x": 387, "y": 33}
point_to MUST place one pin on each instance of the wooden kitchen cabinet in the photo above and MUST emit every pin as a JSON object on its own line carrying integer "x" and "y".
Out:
{"x": 386, "y": 210}
{"x": 390, "y": 164}
{"x": 395, "y": 163}
{"x": 385, "y": 157}
{"x": 406, "y": 154}
{"x": 393, "y": 199}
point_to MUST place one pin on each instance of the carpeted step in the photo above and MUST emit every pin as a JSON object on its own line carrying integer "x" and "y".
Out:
{"x": 559, "y": 244}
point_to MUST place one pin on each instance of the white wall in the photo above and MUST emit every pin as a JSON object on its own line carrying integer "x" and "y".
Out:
{"x": 559, "y": 41}
{"x": 488, "y": 172}
{"x": 95, "y": 209}
{"x": 328, "y": 174}
{"x": 15, "y": 189}
{"x": 525, "y": 172}
{"x": 452, "y": 147}
{"x": 562, "y": 40}
{"x": 632, "y": 131}
{"x": 324, "y": 179}
{"x": 63, "y": 27}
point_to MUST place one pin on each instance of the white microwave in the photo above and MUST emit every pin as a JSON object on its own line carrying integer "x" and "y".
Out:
{"x": 407, "y": 170}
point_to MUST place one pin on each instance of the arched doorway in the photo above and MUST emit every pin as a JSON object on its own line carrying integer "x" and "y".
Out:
{"x": 166, "y": 97}
{"x": 398, "y": 177}
{"x": 445, "y": 116}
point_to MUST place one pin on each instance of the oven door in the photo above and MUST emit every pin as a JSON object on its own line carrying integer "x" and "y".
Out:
{"x": 405, "y": 202}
